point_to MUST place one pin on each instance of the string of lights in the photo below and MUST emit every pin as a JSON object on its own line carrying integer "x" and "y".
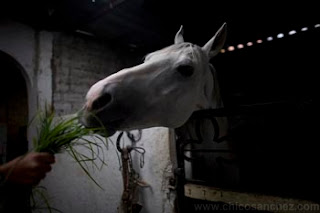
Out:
{"x": 259, "y": 41}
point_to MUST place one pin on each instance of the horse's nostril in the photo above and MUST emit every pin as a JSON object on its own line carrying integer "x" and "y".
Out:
{"x": 102, "y": 101}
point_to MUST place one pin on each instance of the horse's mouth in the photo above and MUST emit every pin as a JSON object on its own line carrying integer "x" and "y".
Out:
{"x": 106, "y": 132}
{"x": 110, "y": 127}
{"x": 114, "y": 124}
{"x": 104, "y": 128}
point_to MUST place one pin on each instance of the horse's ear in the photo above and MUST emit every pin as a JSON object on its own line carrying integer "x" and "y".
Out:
{"x": 214, "y": 45}
{"x": 179, "y": 36}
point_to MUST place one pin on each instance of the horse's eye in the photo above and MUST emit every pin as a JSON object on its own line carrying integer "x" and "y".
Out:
{"x": 185, "y": 70}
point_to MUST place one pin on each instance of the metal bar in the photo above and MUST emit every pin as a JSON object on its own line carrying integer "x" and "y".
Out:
{"x": 207, "y": 150}
{"x": 249, "y": 200}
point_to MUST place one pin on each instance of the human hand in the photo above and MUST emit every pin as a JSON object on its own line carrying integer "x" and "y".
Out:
{"x": 28, "y": 169}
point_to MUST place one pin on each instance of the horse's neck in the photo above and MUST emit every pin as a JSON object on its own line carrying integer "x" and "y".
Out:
{"x": 216, "y": 99}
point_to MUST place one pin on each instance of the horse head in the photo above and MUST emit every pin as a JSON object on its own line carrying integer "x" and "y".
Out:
{"x": 164, "y": 90}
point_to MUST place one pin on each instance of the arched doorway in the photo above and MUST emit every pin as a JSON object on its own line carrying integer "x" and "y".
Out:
{"x": 13, "y": 109}
{"x": 13, "y": 130}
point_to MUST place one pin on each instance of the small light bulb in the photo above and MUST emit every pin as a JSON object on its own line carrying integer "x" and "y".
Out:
{"x": 292, "y": 32}
{"x": 280, "y": 35}
{"x": 230, "y": 48}
{"x": 249, "y": 44}
{"x": 240, "y": 46}
{"x": 269, "y": 38}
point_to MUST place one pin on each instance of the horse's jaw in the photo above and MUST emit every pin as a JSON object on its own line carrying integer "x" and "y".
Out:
{"x": 111, "y": 127}
{"x": 99, "y": 128}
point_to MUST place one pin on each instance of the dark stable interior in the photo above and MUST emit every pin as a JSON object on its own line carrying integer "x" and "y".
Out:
{"x": 275, "y": 143}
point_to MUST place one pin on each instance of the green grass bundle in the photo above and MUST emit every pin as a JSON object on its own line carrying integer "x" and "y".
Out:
{"x": 56, "y": 135}
{"x": 65, "y": 134}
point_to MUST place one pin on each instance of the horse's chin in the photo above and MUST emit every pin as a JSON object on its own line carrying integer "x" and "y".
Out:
{"x": 108, "y": 132}
{"x": 108, "y": 128}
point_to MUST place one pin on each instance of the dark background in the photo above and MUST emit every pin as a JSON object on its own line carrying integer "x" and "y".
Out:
{"x": 154, "y": 22}
{"x": 276, "y": 144}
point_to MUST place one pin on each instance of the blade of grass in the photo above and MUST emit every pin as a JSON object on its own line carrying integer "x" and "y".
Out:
{"x": 84, "y": 169}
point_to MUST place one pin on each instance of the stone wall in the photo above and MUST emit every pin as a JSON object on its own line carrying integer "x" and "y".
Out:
{"x": 78, "y": 62}
{"x": 59, "y": 68}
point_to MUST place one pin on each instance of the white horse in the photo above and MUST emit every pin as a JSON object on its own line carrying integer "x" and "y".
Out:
{"x": 164, "y": 90}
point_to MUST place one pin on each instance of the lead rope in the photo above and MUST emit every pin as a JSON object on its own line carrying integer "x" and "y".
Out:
{"x": 130, "y": 199}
